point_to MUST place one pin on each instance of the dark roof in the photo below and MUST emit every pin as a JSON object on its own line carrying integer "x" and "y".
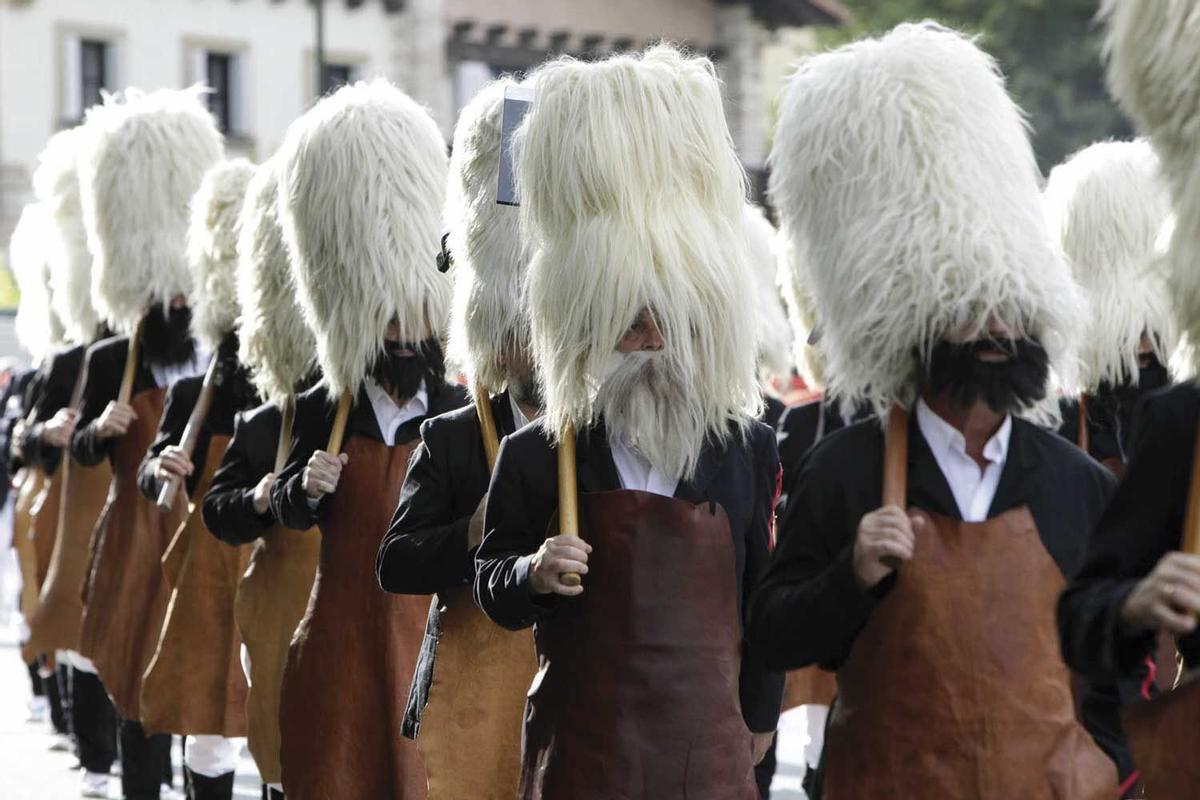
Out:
{"x": 797, "y": 13}
{"x": 390, "y": 6}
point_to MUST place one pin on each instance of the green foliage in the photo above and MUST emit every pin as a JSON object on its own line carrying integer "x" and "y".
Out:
{"x": 1048, "y": 49}
{"x": 9, "y": 295}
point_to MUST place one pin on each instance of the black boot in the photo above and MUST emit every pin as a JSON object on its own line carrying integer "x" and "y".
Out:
{"x": 271, "y": 794}
{"x": 202, "y": 788}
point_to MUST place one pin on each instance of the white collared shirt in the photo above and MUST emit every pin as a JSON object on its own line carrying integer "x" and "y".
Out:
{"x": 519, "y": 418}
{"x": 973, "y": 489}
{"x": 637, "y": 473}
{"x": 167, "y": 374}
{"x": 391, "y": 416}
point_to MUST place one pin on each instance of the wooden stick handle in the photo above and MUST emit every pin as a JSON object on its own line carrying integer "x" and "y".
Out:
{"x": 487, "y": 425}
{"x": 1083, "y": 436}
{"x": 895, "y": 459}
{"x": 339, "y": 424}
{"x": 284, "y": 445}
{"x": 568, "y": 494}
{"x": 1191, "y": 519}
{"x": 131, "y": 361}
{"x": 191, "y": 432}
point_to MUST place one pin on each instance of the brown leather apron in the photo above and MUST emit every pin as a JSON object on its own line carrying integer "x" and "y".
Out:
{"x": 195, "y": 683}
{"x": 470, "y": 735}
{"x": 353, "y": 657}
{"x": 636, "y": 695}
{"x": 126, "y": 596}
{"x": 955, "y": 687}
{"x": 271, "y": 599}
{"x": 1164, "y": 737}
{"x": 43, "y": 527}
{"x": 55, "y": 624}
{"x": 29, "y": 483}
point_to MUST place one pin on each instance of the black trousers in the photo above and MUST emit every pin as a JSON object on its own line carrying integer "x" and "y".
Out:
{"x": 55, "y": 692}
{"x": 271, "y": 794}
{"x": 145, "y": 761}
{"x": 202, "y": 788}
{"x": 94, "y": 721}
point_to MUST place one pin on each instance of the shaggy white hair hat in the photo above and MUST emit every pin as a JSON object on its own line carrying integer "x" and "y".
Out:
{"x": 212, "y": 240}
{"x": 904, "y": 174}
{"x": 143, "y": 158}
{"x": 361, "y": 184}
{"x": 774, "y": 334}
{"x": 1107, "y": 205}
{"x": 487, "y": 318}
{"x": 37, "y": 326}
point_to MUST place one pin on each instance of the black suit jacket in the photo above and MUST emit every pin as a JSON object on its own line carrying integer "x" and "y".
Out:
{"x": 228, "y": 506}
{"x": 103, "y": 367}
{"x": 1143, "y": 523}
{"x": 314, "y": 422}
{"x": 13, "y": 409}
{"x": 59, "y": 375}
{"x": 809, "y": 607}
{"x": 743, "y": 477}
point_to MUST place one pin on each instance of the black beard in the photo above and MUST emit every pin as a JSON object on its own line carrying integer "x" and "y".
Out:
{"x": 401, "y": 376}
{"x": 1006, "y": 386}
{"x": 1122, "y": 398}
{"x": 166, "y": 335}
{"x": 526, "y": 391}
{"x": 235, "y": 377}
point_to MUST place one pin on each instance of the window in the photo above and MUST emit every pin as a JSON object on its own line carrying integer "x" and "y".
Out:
{"x": 334, "y": 76}
{"x": 220, "y": 69}
{"x": 93, "y": 70}
{"x": 218, "y": 72}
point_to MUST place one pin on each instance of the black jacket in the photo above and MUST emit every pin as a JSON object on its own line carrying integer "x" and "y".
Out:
{"x": 60, "y": 374}
{"x": 103, "y": 367}
{"x": 523, "y": 495}
{"x": 13, "y": 410}
{"x": 799, "y": 429}
{"x": 1143, "y": 523}
{"x": 231, "y": 395}
{"x": 228, "y": 507}
{"x": 314, "y": 422}
{"x": 809, "y": 607}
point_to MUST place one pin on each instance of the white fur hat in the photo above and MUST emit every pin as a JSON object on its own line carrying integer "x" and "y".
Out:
{"x": 774, "y": 335}
{"x": 487, "y": 318}
{"x": 904, "y": 174}
{"x": 273, "y": 339}
{"x": 212, "y": 240}
{"x": 633, "y": 197}
{"x": 1107, "y": 205}
{"x": 56, "y": 184}
{"x": 361, "y": 185}
{"x": 38, "y": 328}
{"x": 143, "y": 158}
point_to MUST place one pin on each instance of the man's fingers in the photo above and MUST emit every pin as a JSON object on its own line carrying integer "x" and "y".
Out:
{"x": 560, "y": 565}
{"x": 1182, "y": 598}
{"x": 1174, "y": 573}
{"x": 573, "y": 541}
{"x": 891, "y": 549}
{"x": 558, "y": 587}
{"x": 568, "y": 551}
{"x": 1173, "y": 621}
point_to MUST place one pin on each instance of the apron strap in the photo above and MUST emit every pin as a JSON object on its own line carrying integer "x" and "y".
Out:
{"x": 895, "y": 458}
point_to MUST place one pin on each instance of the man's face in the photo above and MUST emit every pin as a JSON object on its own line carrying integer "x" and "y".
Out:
{"x": 1145, "y": 351}
{"x": 989, "y": 343}
{"x": 642, "y": 336}
{"x": 996, "y": 364}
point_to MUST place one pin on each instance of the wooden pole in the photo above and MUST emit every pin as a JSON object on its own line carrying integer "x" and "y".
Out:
{"x": 191, "y": 432}
{"x": 895, "y": 459}
{"x": 131, "y": 362}
{"x": 568, "y": 494}
{"x": 487, "y": 425}
{"x": 339, "y": 424}
{"x": 284, "y": 445}
{"x": 1191, "y": 520}
{"x": 1083, "y": 436}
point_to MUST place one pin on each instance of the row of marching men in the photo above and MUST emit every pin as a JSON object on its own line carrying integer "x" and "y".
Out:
{"x": 231, "y": 553}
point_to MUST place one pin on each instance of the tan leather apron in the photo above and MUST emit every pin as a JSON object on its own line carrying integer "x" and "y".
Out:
{"x": 956, "y": 688}
{"x": 636, "y": 695}
{"x": 195, "y": 684}
{"x": 271, "y": 599}
{"x": 470, "y": 735}
{"x": 1164, "y": 737}
{"x": 55, "y": 624}
{"x": 43, "y": 518}
{"x": 28, "y": 484}
{"x": 126, "y": 596}
{"x": 353, "y": 657}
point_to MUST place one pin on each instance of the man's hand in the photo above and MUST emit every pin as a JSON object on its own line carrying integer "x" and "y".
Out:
{"x": 57, "y": 432}
{"x": 321, "y": 475}
{"x": 115, "y": 420}
{"x": 475, "y": 526}
{"x": 262, "y": 493}
{"x": 761, "y": 744}
{"x": 558, "y": 555}
{"x": 17, "y": 442}
{"x": 885, "y": 538}
{"x": 173, "y": 463}
{"x": 1168, "y": 598}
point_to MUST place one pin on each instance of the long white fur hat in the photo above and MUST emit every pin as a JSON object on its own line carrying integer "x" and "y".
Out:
{"x": 212, "y": 240}
{"x": 774, "y": 335}
{"x": 144, "y": 157}
{"x": 37, "y": 327}
{"x": 632, "y": 197}
{"x": 56, "y": 184}
{"x": 904, "y": 174}
{"x": 487, "y": 318}
{"x": 801, "y": 315}
{"x": 1107, "y": 204}
{"x": 273, "y": 339}
{"x": 1154, "y": 73}
{"x": 362, "y": 179}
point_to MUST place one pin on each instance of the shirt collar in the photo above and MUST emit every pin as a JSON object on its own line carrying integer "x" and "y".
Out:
{"x": 519, "y": 418}
{"x": 391, "y": 416}
{"x": 944, "y": 437}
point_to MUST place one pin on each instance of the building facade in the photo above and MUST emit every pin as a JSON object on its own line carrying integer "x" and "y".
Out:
{"x": 258, "y": 57}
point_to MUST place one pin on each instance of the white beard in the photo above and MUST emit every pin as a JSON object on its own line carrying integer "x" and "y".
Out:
{"x": 648, "y": 405}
